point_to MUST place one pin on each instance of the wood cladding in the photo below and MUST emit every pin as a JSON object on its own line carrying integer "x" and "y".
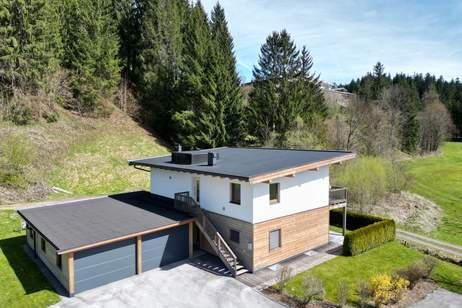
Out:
{"x": 299, "y": 232}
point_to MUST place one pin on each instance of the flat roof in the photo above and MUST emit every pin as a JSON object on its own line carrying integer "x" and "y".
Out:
{"x": 252, "y": 164}
{"x": 78, "y": 224}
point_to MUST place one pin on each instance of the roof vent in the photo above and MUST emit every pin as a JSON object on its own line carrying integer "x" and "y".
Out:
{"x": 188, "y": 158}
{"x": 212, "y": 158}
{"x": 179, "y": 148}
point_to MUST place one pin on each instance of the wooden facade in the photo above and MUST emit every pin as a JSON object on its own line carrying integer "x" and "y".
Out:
{"x": 299, "y": 232}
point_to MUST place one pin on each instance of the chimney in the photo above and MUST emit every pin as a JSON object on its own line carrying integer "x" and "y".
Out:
{"x": 212, "y": 158}
{"x": 179, "y": 148}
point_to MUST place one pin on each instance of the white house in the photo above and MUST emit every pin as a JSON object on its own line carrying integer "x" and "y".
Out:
{"x": 267, "y": 204}
{"x": 252, "y": 207}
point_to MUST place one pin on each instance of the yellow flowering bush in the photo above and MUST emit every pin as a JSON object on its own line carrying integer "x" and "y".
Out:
{"x": 386, "y": 288}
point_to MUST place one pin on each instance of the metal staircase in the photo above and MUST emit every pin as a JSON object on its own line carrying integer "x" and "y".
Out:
{"x": 183, "y": 202}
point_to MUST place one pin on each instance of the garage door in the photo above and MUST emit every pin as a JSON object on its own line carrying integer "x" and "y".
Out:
{"x": 165, "y": 247}
{"x": 98, "y": 266}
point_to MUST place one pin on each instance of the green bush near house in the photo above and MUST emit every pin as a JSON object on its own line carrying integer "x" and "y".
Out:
{"x": 367, "y": 231}
{"x": 368, "y": 237}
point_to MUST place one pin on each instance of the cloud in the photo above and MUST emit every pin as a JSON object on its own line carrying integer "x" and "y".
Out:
{"x": 346, "y": 38}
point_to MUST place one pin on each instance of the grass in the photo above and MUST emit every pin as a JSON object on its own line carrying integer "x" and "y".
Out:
{"x": 22, "y": 284}
{"x": 385, "y": 259}
{"x": 99, "y": 165}
{"x": 439, "y": 178}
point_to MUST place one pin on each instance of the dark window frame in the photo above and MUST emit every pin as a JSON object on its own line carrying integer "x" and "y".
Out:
{"x": 235, "y": 232}
{"x": 280, "y": 240}
{"x": 59, "y": 261}
{"x": 43, "y": 245}
{"x": 232, "y": 193}
{"x": 278, "y": 193}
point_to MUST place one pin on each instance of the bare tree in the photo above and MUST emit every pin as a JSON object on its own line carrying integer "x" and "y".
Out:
{"x": 436, "y": 124}
{"x": 283, "y": 277}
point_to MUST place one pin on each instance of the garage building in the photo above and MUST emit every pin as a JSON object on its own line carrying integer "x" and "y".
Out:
{"x": 89, "y": 243}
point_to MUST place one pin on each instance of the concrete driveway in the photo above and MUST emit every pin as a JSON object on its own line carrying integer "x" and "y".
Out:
{"x": 178, "y": 285}
{"x": 440, "y": 298}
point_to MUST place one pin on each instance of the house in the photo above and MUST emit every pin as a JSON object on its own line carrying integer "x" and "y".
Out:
{"x": 252, "y": 207}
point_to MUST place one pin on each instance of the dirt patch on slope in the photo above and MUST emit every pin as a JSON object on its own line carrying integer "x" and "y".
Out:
{"x": 409, "y": 209}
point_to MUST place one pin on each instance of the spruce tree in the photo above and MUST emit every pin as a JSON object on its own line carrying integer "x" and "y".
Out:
{"x": 90, "y": 51}
{"x": 159, "y": 64}
{"x": 8, "y": 52}
{"x": 200, "y": 122}
{"x": 229, "y": 91}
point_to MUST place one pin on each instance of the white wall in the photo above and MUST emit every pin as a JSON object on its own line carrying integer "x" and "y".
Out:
{"x": 166, "y": 183}
{"x": 214, "y": 191}
{"x": 305, "y": 191}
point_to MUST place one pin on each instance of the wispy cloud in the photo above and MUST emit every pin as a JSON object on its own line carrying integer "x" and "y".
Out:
{"x": 346, "y": 38}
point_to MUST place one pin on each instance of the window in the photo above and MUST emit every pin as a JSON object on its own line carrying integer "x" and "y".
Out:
{"x": 42, "y": 245}
{"x": 274, "y": 193}
{"x": 31, "y": 232}
{"x": 234, "y": 235}
{"x": 235, "y": 193}
{"x": 59, "y": 261}
{"x": 275, "y": 239}
{"x": 197, "y": 185}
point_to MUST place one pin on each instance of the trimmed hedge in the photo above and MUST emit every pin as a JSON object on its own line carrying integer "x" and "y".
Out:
{"x": 368, "y": 237}
{"x": 354, "y": 220}
{"x": 366, "y": 231}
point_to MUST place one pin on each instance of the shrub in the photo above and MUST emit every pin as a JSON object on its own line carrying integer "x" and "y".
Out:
{"x": 354, "y": 220}
{"x": 16, "y": 154}
{"x": 283, "y": 276}
{"x": 342, "y": 293}
{"x": 364, "y": 294}
{"x": 385, "y": 288}
{"x": 371, "y": 236}
{"x": 313, "y": 289}
{"x": 369, "y": 178}
{"x": 418, "y": 270}
{"x": 19, "y": 111}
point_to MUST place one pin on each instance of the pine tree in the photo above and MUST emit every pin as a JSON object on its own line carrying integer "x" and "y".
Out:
{"x": 284, "y": 89}
{"x": 200, "y": 121}
{"x": 31, "y": 45}
{"x": 90, "y": 51}
{"x": 159, "y": 63}
{"x": 8, "y": 52}
{"x": 380, "y": 80}
{"x": 314, "y": 104}
{"x": 230, "y": 96}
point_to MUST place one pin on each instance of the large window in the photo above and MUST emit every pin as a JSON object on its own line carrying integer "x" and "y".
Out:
{"x": 274, "y": 193}
{"x": 234, "y": 236}
{"x": 275, "y": 239}
{"x": 235, "y": 193}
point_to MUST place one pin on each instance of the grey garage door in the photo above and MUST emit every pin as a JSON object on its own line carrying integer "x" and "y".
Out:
{"x": 101, "y": 265}
{"x": 165, "y": 247}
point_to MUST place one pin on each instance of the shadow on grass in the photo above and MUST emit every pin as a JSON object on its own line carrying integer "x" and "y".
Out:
{"x": 26, "y": 270}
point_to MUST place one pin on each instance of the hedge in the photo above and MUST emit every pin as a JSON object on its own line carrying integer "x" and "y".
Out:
{"x": 354, "y": 220}
{"x": 367, "y": 231}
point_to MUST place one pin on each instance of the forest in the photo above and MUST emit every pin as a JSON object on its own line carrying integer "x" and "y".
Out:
{"x": 172, "y": 67}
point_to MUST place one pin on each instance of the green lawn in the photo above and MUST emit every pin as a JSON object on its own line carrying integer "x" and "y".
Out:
{"x": 385, "y": 259}
{"x": 439, "y": 178}
{"x": 22, "y": 284}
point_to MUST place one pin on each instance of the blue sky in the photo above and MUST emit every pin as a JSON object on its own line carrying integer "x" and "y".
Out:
{"x": 346, "y": 38}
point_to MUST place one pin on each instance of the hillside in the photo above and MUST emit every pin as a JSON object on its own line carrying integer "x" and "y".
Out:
{"x": 439, "y": 178}
{"x": 85, "y": 156}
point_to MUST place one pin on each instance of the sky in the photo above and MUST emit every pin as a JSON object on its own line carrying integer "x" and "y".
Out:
{"x": 346, "y": 38}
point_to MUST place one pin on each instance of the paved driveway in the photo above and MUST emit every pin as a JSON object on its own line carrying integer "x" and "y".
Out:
{"x": 180, "y": 285}
{"x": 440, "y": 298}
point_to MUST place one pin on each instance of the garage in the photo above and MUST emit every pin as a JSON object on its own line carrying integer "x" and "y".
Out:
{"x": 98, "y": 266}
{"x": 165, "y": 247}
{"x": 90, "y": 243}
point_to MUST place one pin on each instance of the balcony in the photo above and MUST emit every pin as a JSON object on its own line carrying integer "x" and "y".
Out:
{"x": 337, "y": 197}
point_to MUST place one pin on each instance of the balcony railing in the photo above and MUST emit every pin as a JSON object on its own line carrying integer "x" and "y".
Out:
{"x": 337, "y": 195}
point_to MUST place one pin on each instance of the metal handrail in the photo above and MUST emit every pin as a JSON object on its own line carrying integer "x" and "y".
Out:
{"x": 337, "y": 194}
{"x": 184, "y": 202}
